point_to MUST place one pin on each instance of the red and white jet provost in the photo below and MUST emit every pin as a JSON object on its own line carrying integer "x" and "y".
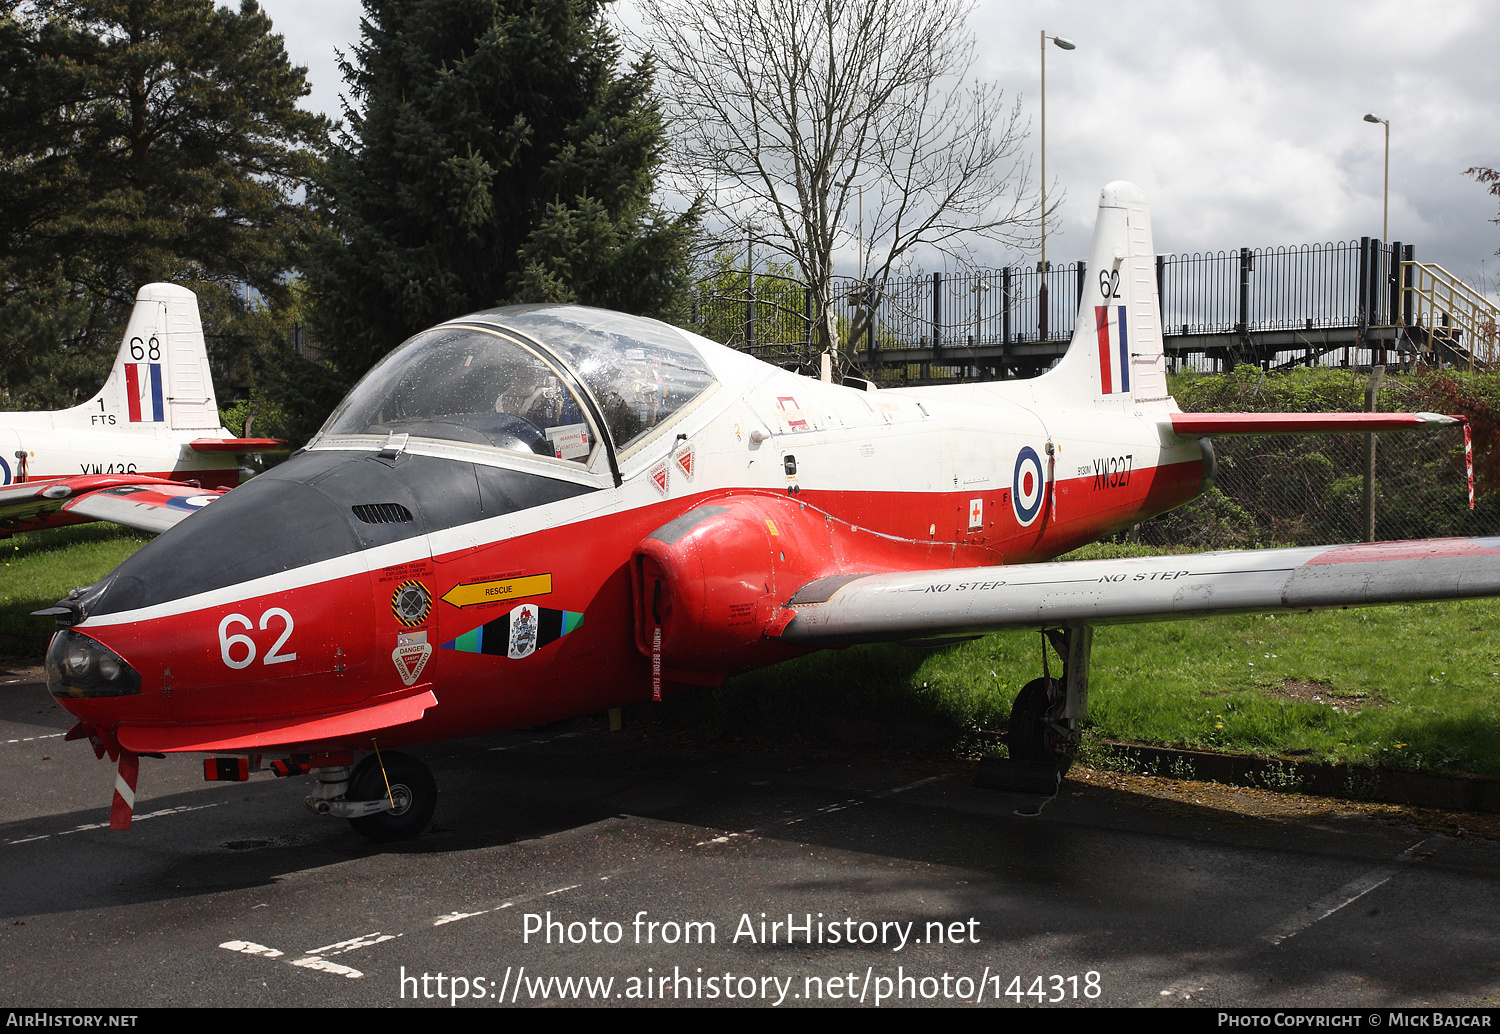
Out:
{"x": 544, "y": 511}
{"x": 146, "y": 451}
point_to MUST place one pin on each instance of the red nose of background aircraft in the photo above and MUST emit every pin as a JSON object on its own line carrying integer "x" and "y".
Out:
{"x": 543, "y": 511}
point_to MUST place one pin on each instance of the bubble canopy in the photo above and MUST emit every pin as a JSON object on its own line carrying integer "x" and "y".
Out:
{"x": 546, "y": 380}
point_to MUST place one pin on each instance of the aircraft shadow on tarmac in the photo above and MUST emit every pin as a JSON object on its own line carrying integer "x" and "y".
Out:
{"x": 1122, "y": 875}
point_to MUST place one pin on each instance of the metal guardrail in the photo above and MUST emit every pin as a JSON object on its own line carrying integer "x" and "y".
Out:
{"x": 1453, "y": 314}
{"x": 1302, "y": 302}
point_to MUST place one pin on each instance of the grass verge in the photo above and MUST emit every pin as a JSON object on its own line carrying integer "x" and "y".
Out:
{"x": 40, "y": 568}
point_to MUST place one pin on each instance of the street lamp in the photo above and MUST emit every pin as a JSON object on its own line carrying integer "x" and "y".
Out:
{"x": 1385, "y": 203}
{"x": 1041, "y": 325}
{"x": 1062, "y": 43}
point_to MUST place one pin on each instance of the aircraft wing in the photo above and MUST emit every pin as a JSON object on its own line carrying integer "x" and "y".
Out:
{"x": 848, "y": 609}
{"x": 150, "y": 504}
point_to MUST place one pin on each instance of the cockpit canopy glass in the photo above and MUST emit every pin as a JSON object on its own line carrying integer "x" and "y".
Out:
{"x": 461, "y": 384}
{"x": 639, "y": 371}
{"x": 456, "y": 384}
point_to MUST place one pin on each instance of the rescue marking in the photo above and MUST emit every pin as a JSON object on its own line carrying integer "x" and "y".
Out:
{"x": 471, "y": 593}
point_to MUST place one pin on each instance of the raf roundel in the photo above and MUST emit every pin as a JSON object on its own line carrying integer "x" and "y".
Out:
{"x": 190, "y": 502}
{"x": 1026, "y": 488}
{"x": 411, "y": 603}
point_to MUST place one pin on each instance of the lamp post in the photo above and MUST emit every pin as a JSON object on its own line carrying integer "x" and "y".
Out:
{"x": 1376, "y": 372}
{"x": 1041, "y": 324}
{"x": 1061, "y": 43}
{"x": 1385, "y": 202}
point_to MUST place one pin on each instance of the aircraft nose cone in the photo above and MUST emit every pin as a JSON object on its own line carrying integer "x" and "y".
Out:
{"x": 316, "y": 507}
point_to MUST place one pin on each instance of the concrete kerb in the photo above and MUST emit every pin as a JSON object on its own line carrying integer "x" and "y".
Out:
{"x": 1344, "y": 782}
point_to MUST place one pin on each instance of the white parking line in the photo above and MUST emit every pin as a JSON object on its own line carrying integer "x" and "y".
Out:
{"x": 33, "y": 739}
{"x": 339, "y": 947}
{"x": 453, "y": 917}
{"x": 316, "y": 959}
{"x": 179, "y": 810}
{"x": 1345, "y": 895}
{"x": 1274, "y": 936}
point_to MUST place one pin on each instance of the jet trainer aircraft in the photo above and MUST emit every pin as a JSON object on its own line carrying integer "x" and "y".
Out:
{"x": 544, "y": 511}
{"x": 146, "y": 451}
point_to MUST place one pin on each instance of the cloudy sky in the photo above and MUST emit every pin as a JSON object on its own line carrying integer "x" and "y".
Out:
{"x": 1242, "y": 122}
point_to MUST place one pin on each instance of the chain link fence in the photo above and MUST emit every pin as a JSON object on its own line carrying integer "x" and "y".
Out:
{"x": 1273, "y": 490}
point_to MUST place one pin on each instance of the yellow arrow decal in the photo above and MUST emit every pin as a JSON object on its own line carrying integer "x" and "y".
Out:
{"x": 500, "y": 589}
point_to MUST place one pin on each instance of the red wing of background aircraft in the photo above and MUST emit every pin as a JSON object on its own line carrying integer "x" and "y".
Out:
{"x": 146, "y": 451}
{"x": 545, "y": 511}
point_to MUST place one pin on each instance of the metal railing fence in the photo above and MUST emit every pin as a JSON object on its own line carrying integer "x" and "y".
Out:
{"x": 1451, "y": 311}
{"x": 1357, "y": 283}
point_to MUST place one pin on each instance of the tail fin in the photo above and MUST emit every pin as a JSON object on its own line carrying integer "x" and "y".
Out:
{"x": 161, "y": 377}
{"x": 1116, "y": 353}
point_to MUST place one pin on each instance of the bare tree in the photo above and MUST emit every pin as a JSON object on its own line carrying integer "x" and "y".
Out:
{"x": 790, "y": 117}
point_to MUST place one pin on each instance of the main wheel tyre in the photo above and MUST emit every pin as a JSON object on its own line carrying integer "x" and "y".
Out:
{"x": 1035, "y": 719}
{"x": 412, "y": 788}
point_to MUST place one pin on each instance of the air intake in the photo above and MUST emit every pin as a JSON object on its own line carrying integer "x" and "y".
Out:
{"x": 382, "y": 513}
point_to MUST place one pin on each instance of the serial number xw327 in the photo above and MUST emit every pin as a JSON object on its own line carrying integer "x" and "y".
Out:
{"x": 1113, "y": 471}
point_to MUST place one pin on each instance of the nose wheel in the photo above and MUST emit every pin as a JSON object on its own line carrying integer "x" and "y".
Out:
{"x": 409, "y": 786}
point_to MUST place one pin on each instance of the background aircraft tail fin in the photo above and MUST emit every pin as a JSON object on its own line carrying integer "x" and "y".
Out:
{"x": 1116, "y": 353}
{"x": 161, "y": 377}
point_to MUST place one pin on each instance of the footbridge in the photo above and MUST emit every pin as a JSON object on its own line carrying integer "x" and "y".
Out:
{"x": 1353, "y": 303}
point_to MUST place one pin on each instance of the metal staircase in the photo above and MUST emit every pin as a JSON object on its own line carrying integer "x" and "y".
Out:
{"x": 1456, "y": 322}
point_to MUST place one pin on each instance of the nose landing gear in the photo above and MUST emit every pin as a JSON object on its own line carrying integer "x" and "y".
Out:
{"x": 402, "y": 781}
{"x": 387, "y": 797}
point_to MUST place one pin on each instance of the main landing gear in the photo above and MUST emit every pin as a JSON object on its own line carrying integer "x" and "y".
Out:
{"x": 386, "y": 797}
{"x": 1046, "y": 720}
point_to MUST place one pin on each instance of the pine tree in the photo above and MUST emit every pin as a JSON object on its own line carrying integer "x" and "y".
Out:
{"x": 142, "y": 141}
{"x": 495, "y": 152}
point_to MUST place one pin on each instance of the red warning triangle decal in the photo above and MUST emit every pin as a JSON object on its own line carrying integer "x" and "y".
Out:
{"x": 685, "y": 462}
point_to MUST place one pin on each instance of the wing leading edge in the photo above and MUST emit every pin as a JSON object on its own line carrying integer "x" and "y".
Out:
{"x": 147, "y": 503}
{"x": 929, "y": 604}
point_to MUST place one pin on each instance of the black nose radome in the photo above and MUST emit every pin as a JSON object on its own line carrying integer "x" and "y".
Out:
{"x": 316, "y": 506}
